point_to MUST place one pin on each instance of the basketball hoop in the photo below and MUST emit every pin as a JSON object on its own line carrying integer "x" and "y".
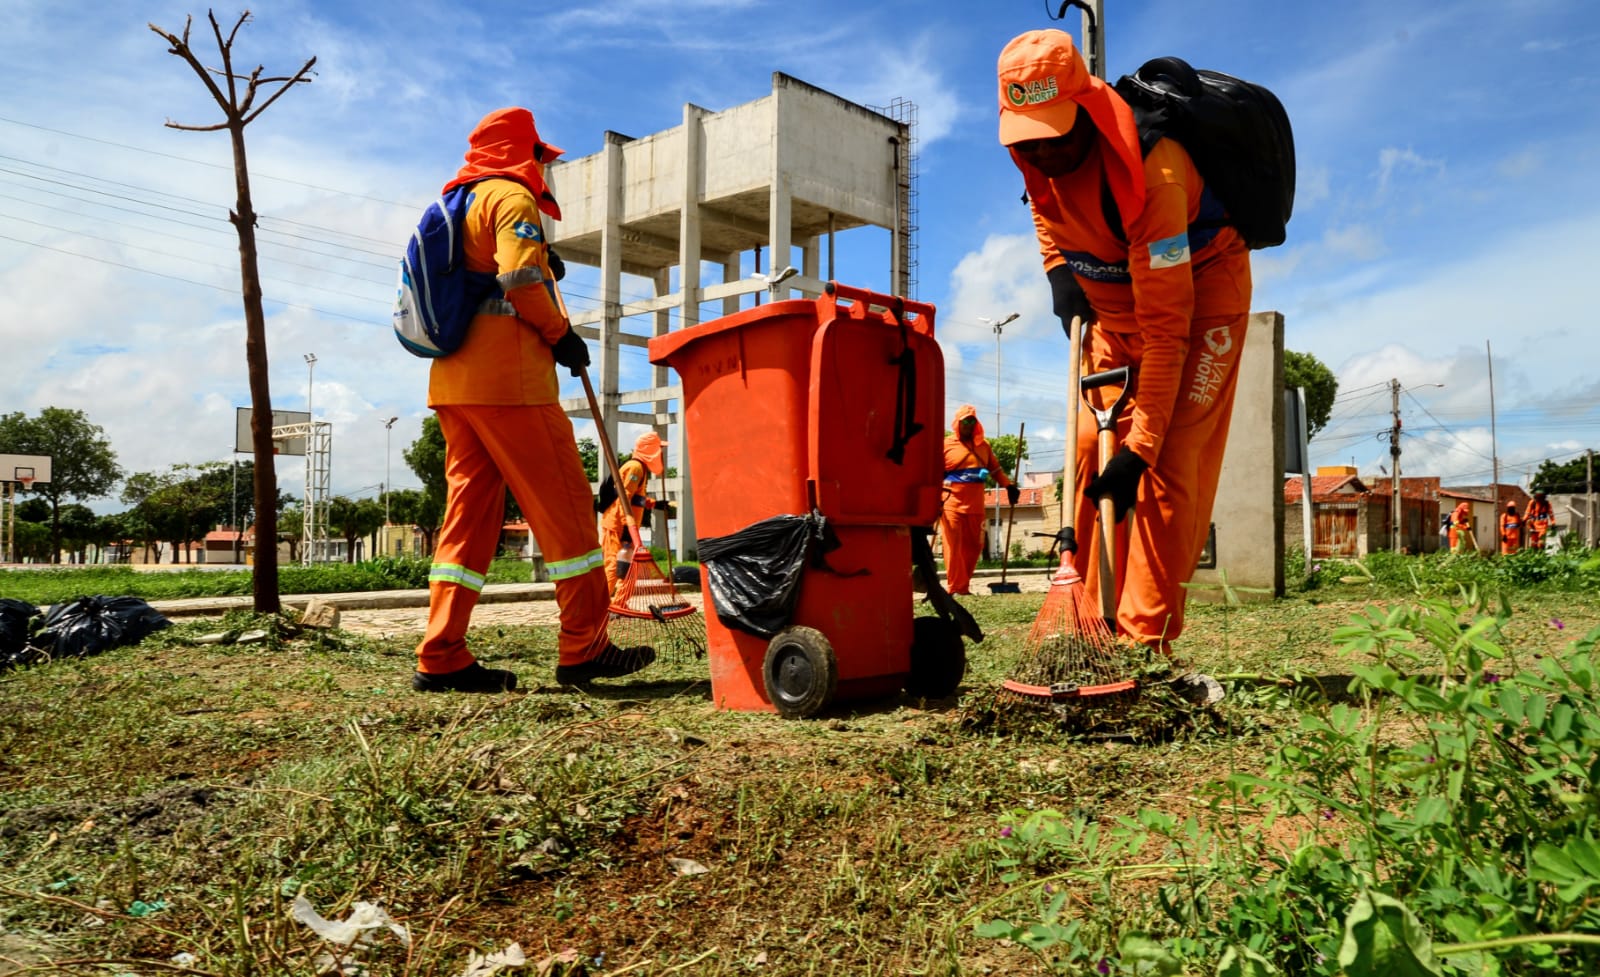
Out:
{"x": 26, "y": 480}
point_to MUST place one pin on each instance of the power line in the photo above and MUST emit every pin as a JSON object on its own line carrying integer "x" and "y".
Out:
{"x": 220, "y": 166}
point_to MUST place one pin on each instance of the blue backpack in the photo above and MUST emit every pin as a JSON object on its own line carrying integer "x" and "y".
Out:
{"x": 438, "y": 296}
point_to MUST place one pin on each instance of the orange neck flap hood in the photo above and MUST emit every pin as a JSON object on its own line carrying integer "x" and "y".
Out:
{"x": 965, "y": 411}
{"x": 506, "y": 144}
{"x": 648, "y": 452}
{"x": 1124, "y": 161}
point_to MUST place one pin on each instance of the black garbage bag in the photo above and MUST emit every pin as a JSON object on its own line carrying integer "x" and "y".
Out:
{"x": 754, "y": 574}
{"x": 17, "y": 621}
{"x": 89, "y": 625}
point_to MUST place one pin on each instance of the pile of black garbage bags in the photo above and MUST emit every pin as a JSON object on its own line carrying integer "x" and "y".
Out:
{"x": 72, "y": 629}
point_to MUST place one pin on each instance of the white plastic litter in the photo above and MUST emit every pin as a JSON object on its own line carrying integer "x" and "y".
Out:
{"x": 364, "y": 917}
{"x": 687, "y": 866}
{"x": 485, "y": 966}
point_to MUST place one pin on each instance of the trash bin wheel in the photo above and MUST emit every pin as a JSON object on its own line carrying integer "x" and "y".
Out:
{"x": 938, "y": 658}
{"x": 800, "y": 671}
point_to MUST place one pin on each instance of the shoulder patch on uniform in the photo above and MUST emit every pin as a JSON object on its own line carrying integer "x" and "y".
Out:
{"x": 527, "y": 229}
{"x": 1169, "y": 252}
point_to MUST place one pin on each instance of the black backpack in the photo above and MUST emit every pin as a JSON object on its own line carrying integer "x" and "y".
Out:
{"x": 1236, "y": 132}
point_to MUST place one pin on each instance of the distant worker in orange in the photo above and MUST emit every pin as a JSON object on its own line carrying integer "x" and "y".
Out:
{"x": 968, "y": 462}
{"x": 615, "y": 542}
{"x": 1168, "y": 293}
{"x": 499, "y": 409}
{"x": 1510, "y": 530}
{"x": 1540, "y": 518}
{"x": 1461, "y": 527}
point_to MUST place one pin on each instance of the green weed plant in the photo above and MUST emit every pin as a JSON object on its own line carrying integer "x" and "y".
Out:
{"x": 1441, "y": 822}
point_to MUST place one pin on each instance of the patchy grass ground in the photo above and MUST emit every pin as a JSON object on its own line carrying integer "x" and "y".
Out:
{"x": 174, "y": 798}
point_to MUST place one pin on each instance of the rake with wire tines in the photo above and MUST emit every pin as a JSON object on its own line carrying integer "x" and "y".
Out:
{"x": 647, "y": 608}
{"x": 1072, "y": 655}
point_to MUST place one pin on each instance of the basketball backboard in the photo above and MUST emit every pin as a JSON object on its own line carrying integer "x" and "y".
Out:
{"x": 25, "y": 470}
{"x": 243, "y": 442}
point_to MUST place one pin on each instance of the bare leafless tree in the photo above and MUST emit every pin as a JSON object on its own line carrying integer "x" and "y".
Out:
{"x": 239, "y": 112}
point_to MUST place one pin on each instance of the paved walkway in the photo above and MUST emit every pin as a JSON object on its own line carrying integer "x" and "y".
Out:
{"x": 385, "y": 613}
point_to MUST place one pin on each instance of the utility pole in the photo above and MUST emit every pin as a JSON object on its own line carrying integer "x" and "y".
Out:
{"x": 1494, "y": 440}
{"x": 1589, "y": 501}
{"x": 1395, "y": 509}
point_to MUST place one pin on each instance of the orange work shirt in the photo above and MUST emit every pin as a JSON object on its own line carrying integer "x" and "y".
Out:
{"x": 506, "y": 358}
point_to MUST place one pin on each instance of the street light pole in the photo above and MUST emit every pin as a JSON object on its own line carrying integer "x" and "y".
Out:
{"x": 308, "y": 515}
{"x": 998, "y": 328}
{"x": 388, "y": 486}
{"x": 311, "y": 368}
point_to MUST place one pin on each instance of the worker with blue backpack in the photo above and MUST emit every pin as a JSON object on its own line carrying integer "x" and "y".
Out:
{"x": 1133, "y": 241}
{"x": 493, "y": 385}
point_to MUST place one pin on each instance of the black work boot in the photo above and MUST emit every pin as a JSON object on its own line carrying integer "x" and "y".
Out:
{"x": 611, "y": 663}
{"x": 473, "y": 678}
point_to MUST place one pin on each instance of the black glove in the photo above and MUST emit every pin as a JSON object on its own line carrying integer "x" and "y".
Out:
{"x": 1012, "y": 493}
{"x": 1067, "y": 298}
{"x": 1067, "y": 540}
{"x": 572, "y": 352}
{"x": 608, "y": 495}
{"x": 666, "y": 509}
{"x": 1120, "y": 480}
{"x": 558, "y": 268}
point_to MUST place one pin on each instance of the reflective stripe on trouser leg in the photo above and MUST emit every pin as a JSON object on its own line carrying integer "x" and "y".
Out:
{"x": 535, "y": 450}
{"x": 474, "y": 511}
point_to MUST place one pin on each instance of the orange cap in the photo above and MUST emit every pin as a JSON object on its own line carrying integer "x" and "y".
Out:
{"x": 1040, "y": 72}
{"x": 650, "y": 451}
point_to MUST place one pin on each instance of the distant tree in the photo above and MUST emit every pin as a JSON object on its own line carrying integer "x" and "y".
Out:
{"x": 239, "y": 110}
{"x": 1321, "y": 386}
{"x": 425, "y": 457}
{"x": 1005, "y": 449}
{"x": 1564, "y": 476}
{"x": 79, "y": 529}
{"x": 291, "y": 524}
{"x": 353, "y": 519}
{"x": 178, "y": 503}
{"x": 34, "y": 510}
{"x": 589, "y": 454}
{"x": 82, "y": 464}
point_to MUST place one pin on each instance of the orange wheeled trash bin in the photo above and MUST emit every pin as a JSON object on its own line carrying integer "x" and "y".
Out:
{"x": 831, "y": 411}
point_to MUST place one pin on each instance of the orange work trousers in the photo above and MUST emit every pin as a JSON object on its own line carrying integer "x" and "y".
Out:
{"x": 530, "y": 449}
{"x": 961, "y": 528}
{"x": 1158, "y": 544}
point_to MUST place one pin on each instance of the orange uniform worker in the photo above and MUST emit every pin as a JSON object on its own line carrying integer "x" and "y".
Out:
{"x": 968, "y": 461}
{"x": 496, "y": 398}
{"x": 1510, "y": 530}
{"x": 1540, "y": 517}
{"x": 1460, "y": 526}
{"x": 1168, "y": 294}
{"x": 616, "y": 543}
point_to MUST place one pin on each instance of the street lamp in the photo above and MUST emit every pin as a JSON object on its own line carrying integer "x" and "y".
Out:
{"x": 388, "y": 486}
{"x": 311, "y": 368}
{"x": 998, "y": 327}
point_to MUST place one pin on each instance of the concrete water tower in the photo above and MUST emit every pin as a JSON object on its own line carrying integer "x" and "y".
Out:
{"x": 789, "y": 170}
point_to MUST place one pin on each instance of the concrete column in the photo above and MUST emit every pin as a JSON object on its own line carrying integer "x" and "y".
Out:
{"x": 694, "y": 161}
{"x": 611, "y": 287}
{"x": 779, "y": 202}
{"x": 811, "y": 257}
{"x": 730, "y": 273}
{"x": 1248, "y": 513}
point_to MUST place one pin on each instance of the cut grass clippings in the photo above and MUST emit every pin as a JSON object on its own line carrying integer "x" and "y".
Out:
{"x": 175, "y": 798}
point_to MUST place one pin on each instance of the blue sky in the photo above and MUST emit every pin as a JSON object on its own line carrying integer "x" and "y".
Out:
{"x": 1446, "y": 200}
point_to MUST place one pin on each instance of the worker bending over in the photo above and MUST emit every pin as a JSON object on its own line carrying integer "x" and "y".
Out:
{"x": 616, "y": 543}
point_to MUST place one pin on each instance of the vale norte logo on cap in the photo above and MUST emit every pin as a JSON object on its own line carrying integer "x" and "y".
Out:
{"x": 1035, "y": 92}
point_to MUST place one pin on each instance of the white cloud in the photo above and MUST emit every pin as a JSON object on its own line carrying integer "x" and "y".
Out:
{"x": 1392, "y": 161}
